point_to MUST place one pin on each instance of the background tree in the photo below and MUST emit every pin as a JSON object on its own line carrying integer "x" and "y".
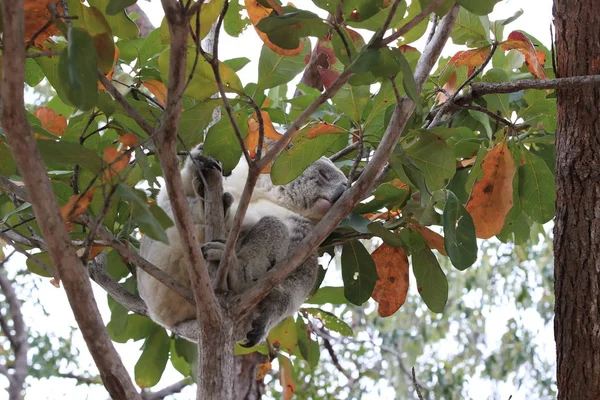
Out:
{"x": 577, "y": 280}
{"x": 448, "y": 149}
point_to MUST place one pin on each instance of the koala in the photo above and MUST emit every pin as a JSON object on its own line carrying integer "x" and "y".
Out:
{"x": 278, "y": 218}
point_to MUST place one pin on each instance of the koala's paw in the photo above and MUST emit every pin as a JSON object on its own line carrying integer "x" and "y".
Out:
{"x": 213, "y": 251}
{"x": 206, "y": 163}
{"x": 227, "y": 202}
{"x": 258, "y": 332}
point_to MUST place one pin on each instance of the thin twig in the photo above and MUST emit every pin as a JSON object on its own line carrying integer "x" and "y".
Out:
{"x": 169, "y": 390}
{"x": 377, "y": 38}
{"x": 434, "y": 23}
{"x": 43, "y": 54}
{"x": 345, "y": 151}
{"x": 414, "y": 379}
{"x": 404, "y": 29}
{"x": 31, "y": 257}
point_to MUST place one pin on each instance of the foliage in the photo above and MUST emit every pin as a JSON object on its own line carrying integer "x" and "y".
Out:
{"x": 475, "y": 174}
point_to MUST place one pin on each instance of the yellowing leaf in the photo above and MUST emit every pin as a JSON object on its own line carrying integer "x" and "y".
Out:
{"x": 433, "y": 239}
{"x": 470, "y": 58}
{"x": 533, "y": 59}
{"x": 112, "y": 70}
{"x": 392, "y": 282}
{"x": 158, "y": 89}
{"x": 256, "y": 12}
{"x": 52, "y": 122}
{"x": 76, "y": 205}
{"x": 253, "y": 132}
{"x": 449, "y": 89}
{"x": 492, "y": 196}
{"x": 286, "y": 376}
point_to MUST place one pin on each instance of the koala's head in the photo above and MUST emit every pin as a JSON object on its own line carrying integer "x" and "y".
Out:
{"x": 313, "y": 193}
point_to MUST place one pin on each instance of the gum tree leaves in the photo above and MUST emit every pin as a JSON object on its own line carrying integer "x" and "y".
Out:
{"x": 435, "y": 169}
{"x": 358, "y": 272}
{"x": 77, "y": 69}
{"x": 479, "y": 7}
{"x": 257, "y": 12}
{"x": 536, "y": 188}
{"x": 492, "y": 196}
{"x": 431, "y": 280}
{"x": 276, "y": 69}
{"x": 391, "y": 287}
{"x": 289, "y": 29}
{"x": 153, "y": 360}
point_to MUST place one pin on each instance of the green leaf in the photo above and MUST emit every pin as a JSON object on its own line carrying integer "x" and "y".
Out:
{"x": 286, "y": 335}
{"x": 469, "y": 29}
{"x": 141, "y": 214}
{"x": 153, "y": 360}
{"x": 408, "y": 79}
{"x": 479, "y": 7}
{"x": 388, "y": 237}
{"x": 203, "y": 83}
{"x": 431, "y": 280}
{"x": 358, "y": 272}
{"x": 536, "y": 188}
{"x": 304, "y": 151}
{"x": 233, "y": 22}
{"x": 77, "y": 69}
{"x": 275, "y": 69}
{"x": 417, "y": 32}
{"x": 7, "y": 166}
{"x": 374, "y": 22}
{"x": 116, "y": 6}
{"x": 115, "y": 266}
{"x": 121, "y": 25}
{"x": 432, "y": 155}
{"x": 309, "y": 348}
{"x": 195, "y": 120}
{"x": 328, "y": 295}
{"x": 351, "y": 100}
{"x": 33, "y": 72}
{"x": 330, "y": 321}
{"x": 386, "y": 195}
{"x": 459, "y": 233}
{"x": 35, "y": 268}
{"x": 237, "y": 63}
{"x": 286, "y": 30}
{"x": 178, "y": 361}
{"x": 67, "y": 154}
{"x": 221, "y": 142}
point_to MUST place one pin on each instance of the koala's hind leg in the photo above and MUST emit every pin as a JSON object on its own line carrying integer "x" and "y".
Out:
{"x": 261, "y": 247}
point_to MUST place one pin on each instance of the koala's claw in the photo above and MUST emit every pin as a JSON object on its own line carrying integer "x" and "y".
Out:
{"x": 206, "y": 163}
{"x": 213, "y": 251}
{"x": 253, "y": 338}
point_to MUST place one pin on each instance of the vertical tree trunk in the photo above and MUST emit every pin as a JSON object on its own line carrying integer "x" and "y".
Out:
{"x": 247, "y": 387}
{"x": 577, "y": 229}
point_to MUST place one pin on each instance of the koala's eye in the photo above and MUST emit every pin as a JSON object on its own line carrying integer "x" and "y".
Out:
{"x": 323, "y": 175}
{"x": 289, "y": 146}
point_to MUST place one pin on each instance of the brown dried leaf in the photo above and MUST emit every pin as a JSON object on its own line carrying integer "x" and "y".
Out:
{"x": 533, "y": 59}
{"x": 51, "y": 121}
{"x": 76, "y": 205}
{"x": 492, "y": 196}
{"x": 251, "y": 140}
{"x": 158, "y": 89}
{"x": 116, "y": 160}
{"x": 433, "y": 239}
{"x": 392, "y": 282}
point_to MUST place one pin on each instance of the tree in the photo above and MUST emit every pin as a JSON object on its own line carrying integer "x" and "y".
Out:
{"x": 577, "y": 282}
{"x": 450, "y": 149}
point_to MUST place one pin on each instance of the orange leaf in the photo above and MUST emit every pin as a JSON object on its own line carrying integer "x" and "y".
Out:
{"x": 158, "y": 89}
{"x": 112, "y": 70}
{"x": 36, "y": 16}
{"x": 256, "y": 12}
{"x": 450, "y": 88}
{"x": 95, "y": 250}
{"x": 382, "y": 215}
{"x": 253, "y": 132}
{"x": 433, "y": 239}
{"x": 392, "y": 279}
{"x": 328, "y": 76}
{"x": 322, "y": 128}
{"x": 129, "y": 140}
{"x": 76, "y": 205}
{"x": 470, "y": 58}
{"x": 533, "y": 59}
{"x": 52, "y": 122}
{"x": 263, "y": 368}
{"x": 492, "y": 196}
{"x": 286, "y": 377}
{"x": 116, "y": 160}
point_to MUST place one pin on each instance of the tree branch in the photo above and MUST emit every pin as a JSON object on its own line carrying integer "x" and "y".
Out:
{"x": 246, "y": 301}
{"x": 143, "y": 22}
{"x": 168, "y": 391}
{"x": 19, "y": 339}
{"x": 27, "y": 156}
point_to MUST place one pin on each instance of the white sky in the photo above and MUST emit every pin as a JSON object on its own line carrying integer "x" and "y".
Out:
{"x": 536, "y": 20}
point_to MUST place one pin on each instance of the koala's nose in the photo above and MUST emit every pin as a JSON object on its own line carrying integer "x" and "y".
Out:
{"x": 339, "y": 191}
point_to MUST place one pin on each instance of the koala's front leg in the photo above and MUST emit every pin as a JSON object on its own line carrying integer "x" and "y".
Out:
{"x": 214, "y": 252}
{"x": 205, "y": 165}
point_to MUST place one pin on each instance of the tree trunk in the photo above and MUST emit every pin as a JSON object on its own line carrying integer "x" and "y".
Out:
{"x": 577, "y": 229}
{"x": 247, "y": 387}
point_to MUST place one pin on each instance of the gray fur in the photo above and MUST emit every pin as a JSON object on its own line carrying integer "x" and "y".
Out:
{"x": 277, "y": 220}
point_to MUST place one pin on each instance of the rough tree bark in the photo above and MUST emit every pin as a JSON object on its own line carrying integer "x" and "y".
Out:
{"x": 577, "y": 228}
